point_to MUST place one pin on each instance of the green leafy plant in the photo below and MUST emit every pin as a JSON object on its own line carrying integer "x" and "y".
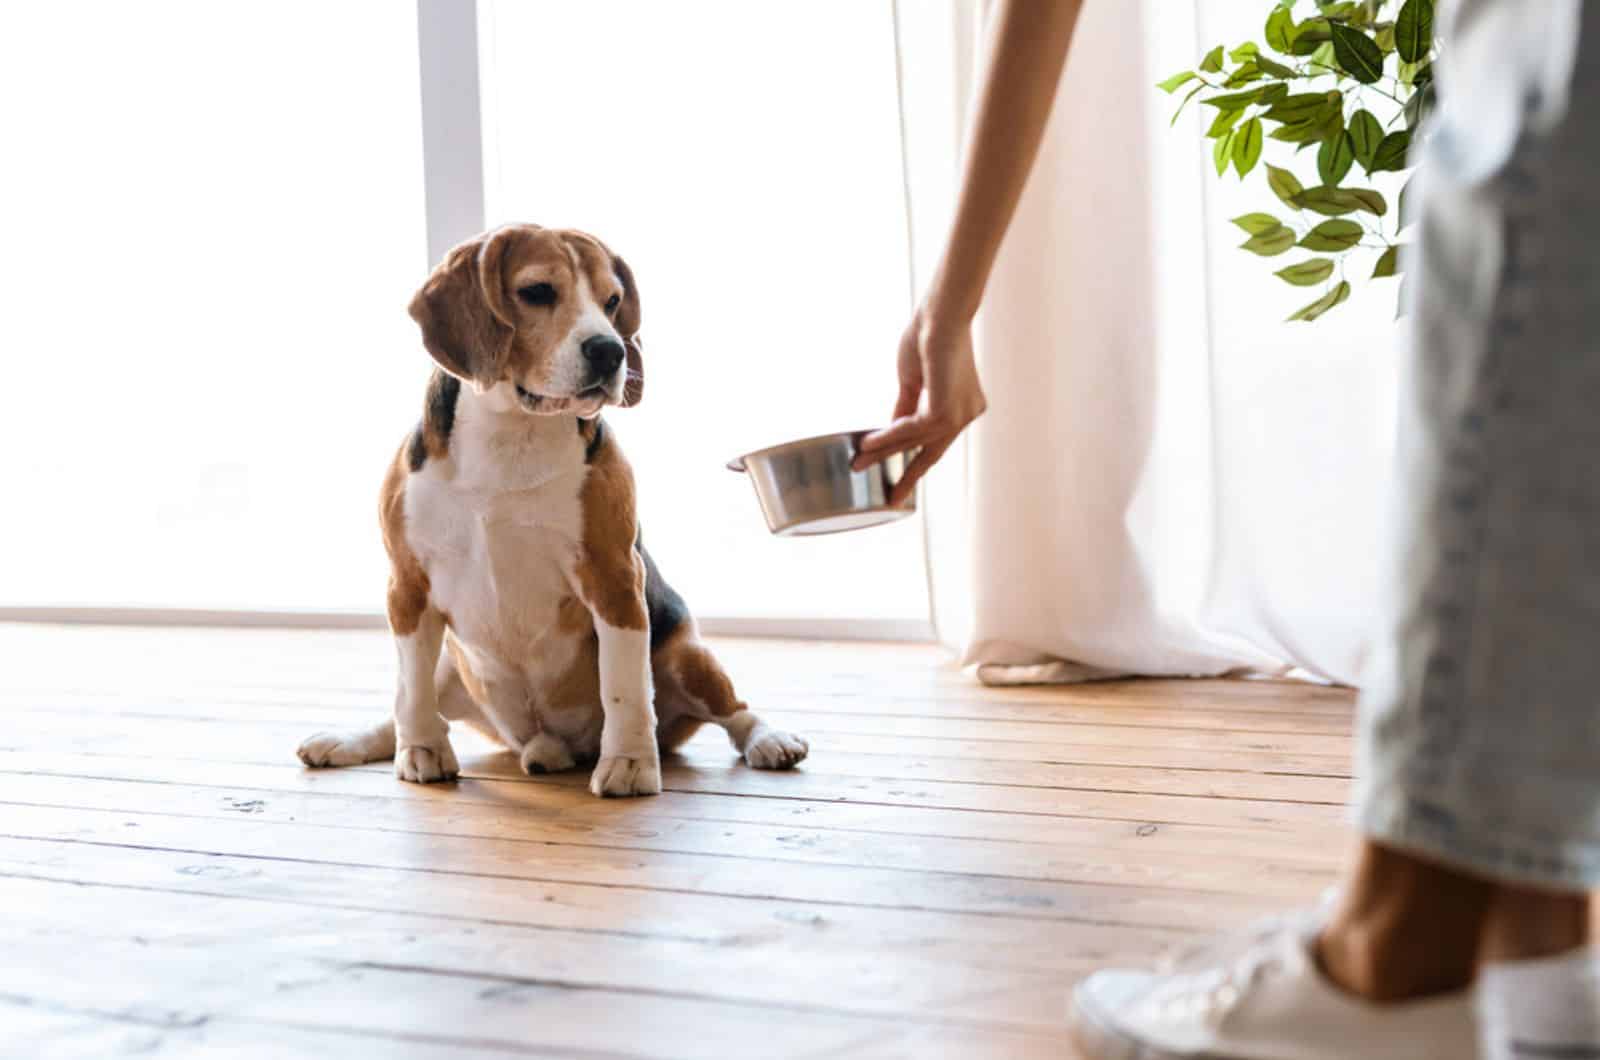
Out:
{"x": 1346, "y": 81}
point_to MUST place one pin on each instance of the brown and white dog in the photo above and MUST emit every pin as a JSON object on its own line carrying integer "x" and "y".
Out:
{"x": 508, "y": 516}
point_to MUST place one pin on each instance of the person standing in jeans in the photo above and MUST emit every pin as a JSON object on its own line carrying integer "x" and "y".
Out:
{"x": 1461, "y": 928}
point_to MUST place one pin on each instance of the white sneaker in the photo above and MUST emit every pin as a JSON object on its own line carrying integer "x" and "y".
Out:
{"x": 1266, "y": 1001}
{"x": 1221, "y": 949}
{"x": 1546, "y": 1009}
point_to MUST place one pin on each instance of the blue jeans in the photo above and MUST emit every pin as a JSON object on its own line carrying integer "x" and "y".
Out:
{"x": 1480, "y": 734}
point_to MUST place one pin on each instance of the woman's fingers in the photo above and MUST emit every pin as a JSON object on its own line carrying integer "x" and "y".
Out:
{"x": 905, "y": 433}
{"x": 906, "y": 488}
{"x": 906, "y": 404}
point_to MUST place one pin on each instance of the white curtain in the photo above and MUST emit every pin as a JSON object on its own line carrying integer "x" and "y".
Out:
{"x": 1169, "y": 480}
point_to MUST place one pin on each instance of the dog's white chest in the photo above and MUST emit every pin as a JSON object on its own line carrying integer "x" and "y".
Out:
{"x": 498, "y": 528}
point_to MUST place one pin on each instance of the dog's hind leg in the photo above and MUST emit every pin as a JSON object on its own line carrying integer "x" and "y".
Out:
{"x": 350, "y": 749}
{"x": 692, "y": 687}
{"x": 377, "y": 743}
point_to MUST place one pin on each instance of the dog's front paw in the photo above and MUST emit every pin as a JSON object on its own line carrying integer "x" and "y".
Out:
{"x": 775, "y": 749}
{"x": 422, "y": 764}
{"x": 624, "y": 775}
{"x": 333, "y": 749}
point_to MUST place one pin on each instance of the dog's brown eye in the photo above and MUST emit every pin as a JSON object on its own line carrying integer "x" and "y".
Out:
{"x": 612, "y": 303}
{"x": 537, "y": 294}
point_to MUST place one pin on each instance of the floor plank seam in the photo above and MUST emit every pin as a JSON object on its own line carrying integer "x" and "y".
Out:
{"x": 400, "y": 796}
{"x": 1153, "y": 889}
{"x": 838, "y": 800}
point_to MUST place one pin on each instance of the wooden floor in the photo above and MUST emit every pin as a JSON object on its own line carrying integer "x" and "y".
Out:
{"x": 929, "y": 883}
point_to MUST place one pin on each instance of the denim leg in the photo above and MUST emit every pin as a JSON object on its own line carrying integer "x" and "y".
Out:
{"x": 1480, "y": 735}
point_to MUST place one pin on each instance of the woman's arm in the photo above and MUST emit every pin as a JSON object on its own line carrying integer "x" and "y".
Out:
{"x": 1026, "y": 48}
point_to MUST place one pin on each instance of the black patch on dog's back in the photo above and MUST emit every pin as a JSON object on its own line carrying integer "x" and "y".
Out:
{"x": 438, "y": 419}
{"x": 666, "y": 608}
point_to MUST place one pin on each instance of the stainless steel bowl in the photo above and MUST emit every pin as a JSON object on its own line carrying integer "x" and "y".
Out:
{"x": 808, "y": 487}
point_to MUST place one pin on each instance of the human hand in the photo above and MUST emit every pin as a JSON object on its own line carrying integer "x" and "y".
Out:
{"x": 936, "y": 359}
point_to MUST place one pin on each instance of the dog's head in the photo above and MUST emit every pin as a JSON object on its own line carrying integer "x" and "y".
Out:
{"x": 549, "y": 315}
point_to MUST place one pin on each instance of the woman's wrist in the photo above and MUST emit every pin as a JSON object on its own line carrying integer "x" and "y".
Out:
{"x": 951, "y": 302}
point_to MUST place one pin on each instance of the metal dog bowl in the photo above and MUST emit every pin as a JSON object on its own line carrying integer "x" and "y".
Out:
{"x": 808, "y": 487}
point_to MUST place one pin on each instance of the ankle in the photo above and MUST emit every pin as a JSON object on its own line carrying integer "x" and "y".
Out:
{"x": 1380, "y": 968}
{"x": 1406, "y": 928}
{"x": 1526, "y": 924}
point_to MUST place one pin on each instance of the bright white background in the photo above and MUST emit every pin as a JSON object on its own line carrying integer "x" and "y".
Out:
{"x": 745, "y": 159}
{"x": 213, "y": 219}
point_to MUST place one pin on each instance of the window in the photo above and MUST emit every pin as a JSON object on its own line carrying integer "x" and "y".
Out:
{"x": 211, "y": 239}
{"x": 214, "y": 237}
{"x": 745, "y": 159}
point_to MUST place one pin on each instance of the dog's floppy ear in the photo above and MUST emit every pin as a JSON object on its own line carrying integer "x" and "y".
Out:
{"x": 462, "y": 310}
{"x": 627, "y": 324}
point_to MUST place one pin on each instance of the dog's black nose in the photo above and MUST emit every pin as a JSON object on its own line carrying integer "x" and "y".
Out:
{"x": 604, "y": 354}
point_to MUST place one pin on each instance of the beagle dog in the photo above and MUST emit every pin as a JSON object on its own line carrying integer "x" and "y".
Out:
{"x": 521, "y": 598}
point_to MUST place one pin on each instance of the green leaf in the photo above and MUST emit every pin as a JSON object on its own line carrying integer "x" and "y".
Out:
{"x": 1179, "y": 112}
{"x": 1306, "y": 132}
{"x": 1307, "y": 273}
{"x": 1358, "y": 55}
{"x": 1323, "y": 304}
{"x": 1331, "y": 127}
{"x": 1243, "y": 76}
{"x": 1384, "y": 38}
{"x": 1365, "y": 135}
{"x": 1369, "y": 200}
{"x": 1247, "y": 147}
{"x": 1176, "y": 81}
{"x": 1335, "y": 158}
{"x": 1257, "y": 223}
{"x": 1407, "y": 208}
{"x": 1307, "y": 127}
{"x": 1223, "y": 151}
{"x": 1278, "y": 31}
{"x": 1413, "y": 30}
{"x": 1302, "y": 106}
{"x": 1391, "y": 153}
{"x": 1325, "y": 57}
{"x": 1212, "y": 63}
{"x": 1247, "y": 50}
{"x": 1283, "y": 185}
{"x": 1333, "y": 236}
{"x": 1336, "y": 202}
{"x": 1272, "y": 69}
{"x": 1225, "y": 121}
{"x": 1269, "y": 244}
{"x": 1388, "y": 264}
{"x": 1233, "y": 100}
{"x": 1273, "y": 94}
{"x": 1310, "y": 35}
{"x": 1331, "y": 202}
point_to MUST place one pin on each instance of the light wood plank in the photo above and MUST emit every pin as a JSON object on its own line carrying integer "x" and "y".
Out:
{"x": 929, "y": 884}
{"x": 1075, "y": 884}
{"x": 829, "y": 773}
{"x": 863, "y": 733}
{"x": 1317, "y": 845}
{"x": 1132, "y": 858}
